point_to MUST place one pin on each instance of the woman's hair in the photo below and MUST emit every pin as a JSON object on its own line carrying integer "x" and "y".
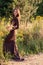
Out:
{"x": 18, "y": 13}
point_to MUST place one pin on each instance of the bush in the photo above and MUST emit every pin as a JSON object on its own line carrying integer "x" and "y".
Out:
{"x": 29, "y": 40}
{"x": 28, "y": 44}
{"x": 3, "y": 33}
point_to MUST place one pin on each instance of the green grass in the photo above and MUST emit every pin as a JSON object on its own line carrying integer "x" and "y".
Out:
{"x": 29, "y": 40}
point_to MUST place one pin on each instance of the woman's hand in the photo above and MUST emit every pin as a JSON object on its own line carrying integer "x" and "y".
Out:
{"x": 9, "y": 27}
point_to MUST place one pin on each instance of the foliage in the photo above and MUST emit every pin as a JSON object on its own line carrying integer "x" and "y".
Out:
{"x": 3, "y": 33}
{"x": 28, "y": 8}
{"x": 40, "y": 9}
{"x": 31, "y": 40}
{"x": 6, "y": 8}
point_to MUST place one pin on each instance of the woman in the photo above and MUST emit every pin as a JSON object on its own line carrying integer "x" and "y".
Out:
{"x": 9, "y": 43}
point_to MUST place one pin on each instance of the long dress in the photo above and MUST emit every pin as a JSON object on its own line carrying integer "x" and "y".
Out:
{"x": 9, "y": 44}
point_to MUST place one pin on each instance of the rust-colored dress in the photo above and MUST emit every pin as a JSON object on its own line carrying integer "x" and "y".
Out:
{"x": 9, "y": 44}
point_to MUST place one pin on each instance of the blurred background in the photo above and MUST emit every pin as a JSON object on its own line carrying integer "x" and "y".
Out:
{"x": 29, "y": 36}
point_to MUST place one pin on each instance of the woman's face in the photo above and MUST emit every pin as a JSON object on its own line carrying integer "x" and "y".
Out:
{"x": 15, "y": 13}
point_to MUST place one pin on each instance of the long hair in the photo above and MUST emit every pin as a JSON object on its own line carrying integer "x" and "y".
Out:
{"x": 18, "y": 13}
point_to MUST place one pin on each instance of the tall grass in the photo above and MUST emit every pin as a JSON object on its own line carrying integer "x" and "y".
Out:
{"x": 29, "y": 37}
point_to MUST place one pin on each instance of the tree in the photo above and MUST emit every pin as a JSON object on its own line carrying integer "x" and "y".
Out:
{"x": 28, "y": 8}
{"x": 40, "y": 9}
{"x": 6, "y": 8}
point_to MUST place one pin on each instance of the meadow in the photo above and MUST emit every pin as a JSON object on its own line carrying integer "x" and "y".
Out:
{"x": 29, "y": 37}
